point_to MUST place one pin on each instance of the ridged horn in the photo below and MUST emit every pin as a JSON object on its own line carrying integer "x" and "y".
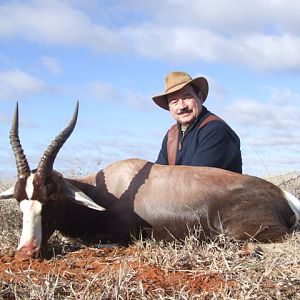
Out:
{"x": 21, "y": 160}
{"x": 45, "y": 166}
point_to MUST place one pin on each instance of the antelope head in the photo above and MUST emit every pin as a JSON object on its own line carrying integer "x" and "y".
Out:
{"x": 41, "y": 193}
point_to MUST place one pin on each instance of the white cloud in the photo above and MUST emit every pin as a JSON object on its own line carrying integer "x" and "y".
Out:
{"x": 15, "y": 84}
{"x": 281, "y": 111}
{"x": 263, "y": 35}
{"x": 284, "y": 97}
{"x": 54, "y": 22}
{"x": 223, "y": 16}
{"x": 272, "y": 124}
{"x": 51, "y": 64}
{"x": 105, "y": 91}
{"x": 266, "y": 52}
{"x": 256, "y": 50}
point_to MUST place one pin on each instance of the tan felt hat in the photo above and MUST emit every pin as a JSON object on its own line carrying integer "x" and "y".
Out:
{"x": 176, "y": 81}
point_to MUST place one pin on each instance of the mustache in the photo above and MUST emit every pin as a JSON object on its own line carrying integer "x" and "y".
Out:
{"x": 184, "y": 111}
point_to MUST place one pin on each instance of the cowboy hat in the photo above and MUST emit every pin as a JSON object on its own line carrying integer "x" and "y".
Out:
{"x": 176, "y": 81}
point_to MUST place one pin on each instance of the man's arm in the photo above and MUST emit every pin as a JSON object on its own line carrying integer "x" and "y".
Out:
{"x": 162, "y": 158}
{"x": 218, "y": 146}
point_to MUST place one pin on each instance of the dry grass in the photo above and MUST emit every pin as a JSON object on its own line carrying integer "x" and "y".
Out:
{"x": 221, "y": 269}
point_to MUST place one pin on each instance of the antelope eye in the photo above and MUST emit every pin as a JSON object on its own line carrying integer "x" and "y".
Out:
{"x": 51, "y": 190}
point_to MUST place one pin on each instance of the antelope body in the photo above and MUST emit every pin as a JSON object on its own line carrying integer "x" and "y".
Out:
{"x": 135, "y": 196}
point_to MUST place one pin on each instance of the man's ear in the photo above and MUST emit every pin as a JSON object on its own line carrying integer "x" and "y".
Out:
{"x": 200, "y": 97}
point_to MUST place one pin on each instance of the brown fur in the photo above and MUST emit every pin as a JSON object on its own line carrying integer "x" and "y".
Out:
{"x": 173, "y": 199}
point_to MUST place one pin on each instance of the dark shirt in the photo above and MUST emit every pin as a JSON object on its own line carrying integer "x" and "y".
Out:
{"x": 214, "y": 145}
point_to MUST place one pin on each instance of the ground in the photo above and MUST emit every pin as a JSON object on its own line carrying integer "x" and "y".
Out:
{"x": 221, "y": 269}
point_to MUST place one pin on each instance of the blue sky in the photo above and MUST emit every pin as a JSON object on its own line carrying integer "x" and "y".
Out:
{"x": 113, "y": 56}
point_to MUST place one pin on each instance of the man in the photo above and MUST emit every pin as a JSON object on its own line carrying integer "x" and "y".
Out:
{"x": 199, "y": 138}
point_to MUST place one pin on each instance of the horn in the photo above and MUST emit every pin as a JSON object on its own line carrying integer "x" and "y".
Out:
{"x": 45, "y": 166}
{"x": 21, "y": 160}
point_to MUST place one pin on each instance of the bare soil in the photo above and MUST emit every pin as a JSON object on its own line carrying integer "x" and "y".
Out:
{"x": 86, "y": 265}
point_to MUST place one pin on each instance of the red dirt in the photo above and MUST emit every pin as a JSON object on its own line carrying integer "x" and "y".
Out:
{"x": 87, "y": 263}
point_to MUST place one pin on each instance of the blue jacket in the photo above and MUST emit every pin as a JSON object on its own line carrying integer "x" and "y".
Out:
{"x": 214, "y": 145}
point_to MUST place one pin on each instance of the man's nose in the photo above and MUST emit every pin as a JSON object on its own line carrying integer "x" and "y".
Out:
{"x": 181, "y": 104}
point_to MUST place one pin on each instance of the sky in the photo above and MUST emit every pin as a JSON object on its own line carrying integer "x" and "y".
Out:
{"x": 113, "y": 56}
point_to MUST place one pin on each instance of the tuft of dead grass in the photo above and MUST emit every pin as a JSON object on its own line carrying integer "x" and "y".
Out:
{"x": 221, "y": 269}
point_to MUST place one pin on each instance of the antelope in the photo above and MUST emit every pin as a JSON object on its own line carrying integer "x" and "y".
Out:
{"x": 133, "y": 196}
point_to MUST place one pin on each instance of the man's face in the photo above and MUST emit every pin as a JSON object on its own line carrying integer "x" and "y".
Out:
{"x": 185, "y": 105}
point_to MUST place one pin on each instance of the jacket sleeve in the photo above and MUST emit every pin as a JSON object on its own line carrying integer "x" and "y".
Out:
{"x": 218, "y": 146}
{"x": 162, "y": 158}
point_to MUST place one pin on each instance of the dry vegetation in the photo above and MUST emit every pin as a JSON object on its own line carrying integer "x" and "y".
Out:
{"x": 221, "y": 269}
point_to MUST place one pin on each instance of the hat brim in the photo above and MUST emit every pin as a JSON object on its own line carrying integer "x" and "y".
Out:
{"x": 200, "y": 82}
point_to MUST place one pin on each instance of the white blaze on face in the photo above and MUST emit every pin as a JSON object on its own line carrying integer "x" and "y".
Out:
{"x": 29, "y": 186}
{"x": 31, "y": 236}
{"x": 32, "y": 224}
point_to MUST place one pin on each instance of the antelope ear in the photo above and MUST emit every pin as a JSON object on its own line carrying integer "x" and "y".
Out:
{"x": 76, "y": 195}
{"x": 8, "y": 193}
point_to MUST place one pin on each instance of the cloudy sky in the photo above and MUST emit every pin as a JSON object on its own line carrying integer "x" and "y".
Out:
{"x": 113, "y": 56}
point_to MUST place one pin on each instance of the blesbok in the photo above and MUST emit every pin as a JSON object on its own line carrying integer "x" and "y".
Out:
{"x": 133, "y": 196}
